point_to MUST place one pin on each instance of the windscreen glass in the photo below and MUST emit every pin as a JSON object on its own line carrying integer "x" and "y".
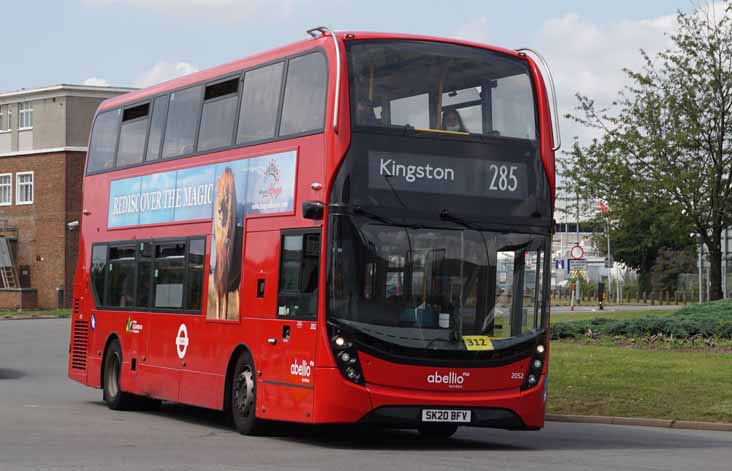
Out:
{"x": 428, "y": 288}
{"x": 429, "y": 86}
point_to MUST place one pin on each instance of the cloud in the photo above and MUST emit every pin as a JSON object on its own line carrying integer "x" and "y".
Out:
{"x": 96, "y": 81}
{"x": 475, "y": 30}
{"x": 588, "y": 58}
{"x": 225, "y": 10}
{"x": 162, "y": 71}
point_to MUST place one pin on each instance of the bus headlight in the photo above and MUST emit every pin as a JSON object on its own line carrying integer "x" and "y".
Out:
{"x": 347, "y": 358}
{"x": 536, "y": 366}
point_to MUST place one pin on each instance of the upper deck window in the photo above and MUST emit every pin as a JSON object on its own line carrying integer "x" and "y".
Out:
{"x": 132, "y": 135}
{"x": 104, "y": 141}
{"x": 219, "y": 111}
{"x": 180, "y": 132}
{"x": 304, "y": 106}
{"x": 439, "y": 87}
{"x": 259, "y": 103}
{"x": 159, "y": 114}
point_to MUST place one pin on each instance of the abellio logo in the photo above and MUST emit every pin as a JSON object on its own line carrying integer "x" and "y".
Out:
{"x": 451, "y": 379}
{"x": 301, "y": 369}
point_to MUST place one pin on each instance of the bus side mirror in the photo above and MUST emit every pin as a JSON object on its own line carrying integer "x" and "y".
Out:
{"x": 313, "y": 209}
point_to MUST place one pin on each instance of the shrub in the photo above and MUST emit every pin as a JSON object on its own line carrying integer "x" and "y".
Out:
{"x": 712, "y": 319}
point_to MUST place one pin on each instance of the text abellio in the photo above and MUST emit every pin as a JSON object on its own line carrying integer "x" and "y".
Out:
{"x": 451, "y": 379}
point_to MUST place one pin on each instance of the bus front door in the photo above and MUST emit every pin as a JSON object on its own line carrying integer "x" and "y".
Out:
{"x": 288, "y": 364}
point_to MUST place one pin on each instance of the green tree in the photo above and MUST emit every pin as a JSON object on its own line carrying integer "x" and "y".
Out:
{"x": 640, "y": 232}
{"x": 667, "y": 136}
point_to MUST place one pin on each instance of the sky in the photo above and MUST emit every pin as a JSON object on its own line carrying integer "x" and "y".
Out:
{"x": 141, "y": 42}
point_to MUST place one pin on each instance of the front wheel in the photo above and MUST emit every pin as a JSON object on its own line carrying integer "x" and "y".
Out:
{"x": 438, "y": 431}
{"x": 243, "y": 398}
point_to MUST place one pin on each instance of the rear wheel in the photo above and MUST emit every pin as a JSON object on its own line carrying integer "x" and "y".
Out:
{"x": 243, "y": 396}
{"x": 438, "y": 431}
{"x": 113, "y": 395}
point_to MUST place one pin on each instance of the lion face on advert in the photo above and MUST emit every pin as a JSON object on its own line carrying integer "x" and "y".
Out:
{"x": 224, "y": 221}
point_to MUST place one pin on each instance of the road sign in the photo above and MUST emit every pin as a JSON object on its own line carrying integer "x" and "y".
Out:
{"x": 577, "y": 264}
{"x": 576, "y": 252}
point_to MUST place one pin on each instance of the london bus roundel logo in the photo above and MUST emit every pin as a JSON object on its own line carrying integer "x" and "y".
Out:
{"x": 181, "y": 341}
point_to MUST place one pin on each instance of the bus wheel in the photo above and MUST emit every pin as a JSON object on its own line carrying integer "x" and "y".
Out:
{"x": 244, "y": 395}
{"x": 113, "y": 395}
{"x": 438, "y": 431}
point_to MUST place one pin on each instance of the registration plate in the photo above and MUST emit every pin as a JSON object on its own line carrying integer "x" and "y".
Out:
{"x": 445, "y": 415}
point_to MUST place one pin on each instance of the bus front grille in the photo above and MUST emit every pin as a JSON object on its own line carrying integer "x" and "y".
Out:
{"x": 79, "y": 344}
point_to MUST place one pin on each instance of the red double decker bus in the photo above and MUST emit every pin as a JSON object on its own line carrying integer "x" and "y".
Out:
{"x": 352, "y": 228}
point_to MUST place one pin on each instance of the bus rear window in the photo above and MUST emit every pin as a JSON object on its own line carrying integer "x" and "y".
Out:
{"x": 104, "y": 141}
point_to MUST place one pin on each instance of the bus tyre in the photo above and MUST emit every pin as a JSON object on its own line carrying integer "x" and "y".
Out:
{"x": 438, "y": 431}
{"x": 113, "y": 395}
{"x": 243, "y": 398}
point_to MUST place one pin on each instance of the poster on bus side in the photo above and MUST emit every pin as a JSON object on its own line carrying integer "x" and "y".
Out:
{"x": 225, "y": 193}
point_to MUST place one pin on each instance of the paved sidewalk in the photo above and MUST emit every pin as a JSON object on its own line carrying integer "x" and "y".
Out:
{"x": 641, "y": 421}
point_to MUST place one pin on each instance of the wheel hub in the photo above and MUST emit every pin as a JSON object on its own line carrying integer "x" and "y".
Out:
{"x": 244, "y": 392}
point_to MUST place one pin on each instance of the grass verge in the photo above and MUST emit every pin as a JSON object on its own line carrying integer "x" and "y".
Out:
{"x": 14, "y": 314}
{"x": 631, "y": 382}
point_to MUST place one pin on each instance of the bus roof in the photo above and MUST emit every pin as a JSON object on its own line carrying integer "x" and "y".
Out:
{"x": 272, "y": 55}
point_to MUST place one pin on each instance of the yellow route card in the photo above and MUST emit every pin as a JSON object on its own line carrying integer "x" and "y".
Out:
{"x": 477, "y": 342}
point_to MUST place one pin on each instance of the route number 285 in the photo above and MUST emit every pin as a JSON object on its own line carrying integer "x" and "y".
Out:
{"x": 503, "y": 177}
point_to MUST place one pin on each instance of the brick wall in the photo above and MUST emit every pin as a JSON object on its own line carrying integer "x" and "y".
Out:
{"x": 74, "y": 178}
{"x": 18, "y": 298}
{"x": 44, "y": 242}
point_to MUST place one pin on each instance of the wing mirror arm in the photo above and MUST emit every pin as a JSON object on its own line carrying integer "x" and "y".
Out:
{"x": 313, "y": 210}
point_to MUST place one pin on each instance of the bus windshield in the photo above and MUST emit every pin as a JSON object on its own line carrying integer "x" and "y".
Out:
{"x": 442, "y": 88}
{"x": 426, "y": 288}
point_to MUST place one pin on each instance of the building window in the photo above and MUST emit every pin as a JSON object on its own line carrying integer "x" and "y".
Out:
{"x": 24, "y": 188}
{"x": 6, "y": 189}
{"x": 25, "y": 116}
{"x": 6, "y": 118}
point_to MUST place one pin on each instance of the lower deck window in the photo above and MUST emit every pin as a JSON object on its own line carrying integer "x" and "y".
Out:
{"x": 299, "y": 271}
{"x": 149, "y": 274}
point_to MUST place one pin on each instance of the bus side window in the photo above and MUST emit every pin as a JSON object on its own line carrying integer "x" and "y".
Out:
{"x": 217, "y": 118}
{"x": 104, "y": 141}
{"x": 159, "y": 115}
{"x": 132, "y": 135}
{"x": 182, "y": 124}
{"x": 259, "y": 103}
{"x": 121, "y": 279}
{"x": 98, "y": 271}
{"x": 299, "y": 272}
{"x": 303, "y": 109}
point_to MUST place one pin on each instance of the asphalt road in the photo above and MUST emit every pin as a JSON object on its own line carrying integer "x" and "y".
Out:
{"x": 48, "y": 422}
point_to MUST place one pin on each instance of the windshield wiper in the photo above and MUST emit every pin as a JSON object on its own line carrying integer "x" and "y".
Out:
{"x": 452, "y": 341}
{"x": 383, "y": 219}
{"x": 446, "y": 216}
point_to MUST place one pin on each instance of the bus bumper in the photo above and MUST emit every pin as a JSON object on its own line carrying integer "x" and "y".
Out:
{"x": 340, "y": 401}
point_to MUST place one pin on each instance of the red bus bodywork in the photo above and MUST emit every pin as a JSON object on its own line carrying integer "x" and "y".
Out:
{"x": 151, "y": 365}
